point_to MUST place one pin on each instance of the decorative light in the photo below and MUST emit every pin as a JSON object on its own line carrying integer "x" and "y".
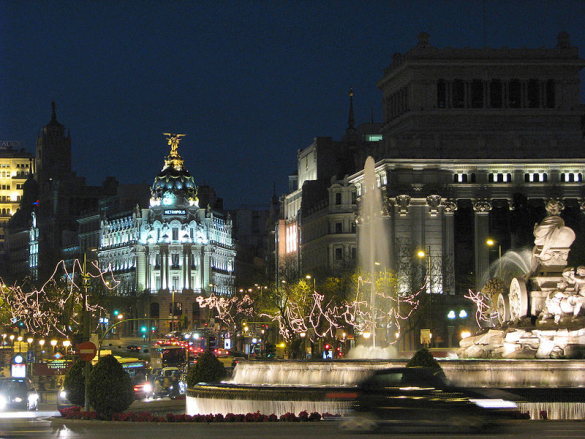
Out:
{"x": 451, "y": 315}
{"x": 465, "y": 334}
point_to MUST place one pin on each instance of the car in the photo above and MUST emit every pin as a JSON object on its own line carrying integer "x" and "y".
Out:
{"x": 418, "y": 396}
{"x": 62, "y": 400}
{"x": 18, "y": 393}
{"x": 133, "y": 348}
{"x": 143, "y": 390}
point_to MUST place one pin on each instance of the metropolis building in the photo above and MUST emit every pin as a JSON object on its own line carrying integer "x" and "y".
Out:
{"x": 472, "y": 144}
{"x": 171, "y": 252}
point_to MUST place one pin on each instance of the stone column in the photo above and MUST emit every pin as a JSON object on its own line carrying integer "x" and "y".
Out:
{"x": 449, "y": 208}
{"x": 141, "y": 268}
{"x": 481, "y": 232}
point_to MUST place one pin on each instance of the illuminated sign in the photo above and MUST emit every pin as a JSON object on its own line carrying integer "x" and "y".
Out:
{"x": 175, "y": 212}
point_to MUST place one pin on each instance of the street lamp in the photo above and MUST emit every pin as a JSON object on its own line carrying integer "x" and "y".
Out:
{"x": 309, "y": 277}
{"x": 42, "y": 344}
{"x": 490, "y": 242}
{"x": 53, "y": 343}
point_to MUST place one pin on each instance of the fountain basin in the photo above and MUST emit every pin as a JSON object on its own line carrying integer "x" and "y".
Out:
{"x": 281, "y": 387}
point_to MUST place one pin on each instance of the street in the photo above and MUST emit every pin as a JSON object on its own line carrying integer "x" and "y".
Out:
{"x": 47, "y": 423}
{"x": 47, "y": 427}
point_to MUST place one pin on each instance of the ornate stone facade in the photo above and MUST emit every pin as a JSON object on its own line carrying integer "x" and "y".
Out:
{"x": 173, "y": 251}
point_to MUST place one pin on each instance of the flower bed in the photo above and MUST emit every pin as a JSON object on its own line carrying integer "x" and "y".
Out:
{"x": 77, "y": 413}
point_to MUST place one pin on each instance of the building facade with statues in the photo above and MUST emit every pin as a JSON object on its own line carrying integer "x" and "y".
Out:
{"x": 472, "y": 145}
{"x": 167, "y": 255}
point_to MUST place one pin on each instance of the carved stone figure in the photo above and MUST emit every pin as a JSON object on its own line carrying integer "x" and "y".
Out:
{"x": 552, "y": 239}
{"x": 562, "y": 302}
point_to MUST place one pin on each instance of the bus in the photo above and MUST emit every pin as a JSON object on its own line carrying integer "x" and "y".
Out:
{"x": 167, "y": 356}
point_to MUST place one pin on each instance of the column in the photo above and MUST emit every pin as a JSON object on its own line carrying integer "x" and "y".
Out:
{"x": 449, "y": 208}
{"x": 481, "y": 232}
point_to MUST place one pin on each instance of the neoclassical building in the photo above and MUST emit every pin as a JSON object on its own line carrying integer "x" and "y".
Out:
{"x": 171, "y": 252}
{"x": 472, "y": 144}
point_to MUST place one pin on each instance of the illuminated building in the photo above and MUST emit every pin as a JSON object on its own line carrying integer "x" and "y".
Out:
{"x": 44, "y": 231}
{"x": 473, "y": 142}
{"x": 15, "y": 168}
{"x": 171, "y": 252}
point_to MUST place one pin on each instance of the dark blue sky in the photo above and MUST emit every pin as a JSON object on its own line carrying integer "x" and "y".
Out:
{"x": 248, "y": 82}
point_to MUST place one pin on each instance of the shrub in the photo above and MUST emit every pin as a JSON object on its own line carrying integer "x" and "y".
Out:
{"x": 110, "y": 387}
{"x": 207, "y": 370}
{"x": 424, "y": 358}
{"x": 74, "y": 383}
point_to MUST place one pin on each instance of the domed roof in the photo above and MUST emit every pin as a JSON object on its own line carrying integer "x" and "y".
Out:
{"x": 174, "y": 184}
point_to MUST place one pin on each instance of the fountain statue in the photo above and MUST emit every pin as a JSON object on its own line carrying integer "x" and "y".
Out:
{"x": 540, "y": 316}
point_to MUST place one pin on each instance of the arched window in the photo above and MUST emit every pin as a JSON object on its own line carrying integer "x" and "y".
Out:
{"x": 472, "y": 177}
{"x": 514, "y": 94}
{"x": 441, "y": 93}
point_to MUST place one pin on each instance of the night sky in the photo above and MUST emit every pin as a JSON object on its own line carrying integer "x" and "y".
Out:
{"x": 248, "y": 82}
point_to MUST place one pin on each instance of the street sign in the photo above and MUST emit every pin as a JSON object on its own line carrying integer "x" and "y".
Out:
{"x": 87, "y": 351}
{"x": 30, "y": 357}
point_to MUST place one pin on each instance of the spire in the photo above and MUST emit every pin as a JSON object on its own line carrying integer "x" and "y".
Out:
{"x": 54, "y": 115}
{"x": 350, "y": 120}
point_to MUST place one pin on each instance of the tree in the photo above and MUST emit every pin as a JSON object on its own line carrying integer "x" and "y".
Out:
{"x": 207, "y": 370}
{"x": 424, "y": 358}
{"x": 110, "y": 387}
{"x": 74, "y": 383}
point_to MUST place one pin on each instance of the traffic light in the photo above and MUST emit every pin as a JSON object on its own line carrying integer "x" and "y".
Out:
{"x": 143, "y": 329}
{"x": 270, "y": 350}
{"x": 327, "y": 347}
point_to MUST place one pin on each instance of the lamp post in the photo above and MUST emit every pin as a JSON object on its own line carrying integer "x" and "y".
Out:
{"x": 490, "y": 242}
{"x": 173, "y": 312}
{"x": 53, "y": 343}
{"x": 42, "y": 345}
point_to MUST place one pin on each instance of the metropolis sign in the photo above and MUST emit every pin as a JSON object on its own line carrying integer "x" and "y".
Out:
{"x": 175, "y": 212}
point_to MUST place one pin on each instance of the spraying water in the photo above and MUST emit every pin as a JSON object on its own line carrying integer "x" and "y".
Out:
{"x": 373, "y": 244}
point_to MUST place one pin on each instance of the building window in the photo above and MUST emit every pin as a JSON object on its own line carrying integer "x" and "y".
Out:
{"x": 338, "y": 198}
{"x": 458, "y": 94}
{"x": 175, "y": 234}
{"x": 550, "y": 94}
{"x": 339, "y": 254}
{"x": 533, "y": 93}
{"x": 477, "y": 93}
{"x": 338, "y": 227}
{"x": 441, "y": 93}
{"x": 514, "y": 94}
{"x": 353, "y": 198}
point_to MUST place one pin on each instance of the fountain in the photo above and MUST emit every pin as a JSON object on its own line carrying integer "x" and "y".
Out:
{"x": 540, "y": 316}
{"x": 518, "y": 355}
{"x": 373, "y": 252}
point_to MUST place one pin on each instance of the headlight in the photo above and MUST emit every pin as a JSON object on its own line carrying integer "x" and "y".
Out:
{"x": 147, "y": 387}
{"x": 494, "y": 403}
{"x": 63, "y": 394}
{"x": 2, "y": 401}
{"x": 18, "y": 399}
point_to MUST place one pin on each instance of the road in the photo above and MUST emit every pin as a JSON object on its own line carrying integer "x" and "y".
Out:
{"x": 45, "y": 426}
